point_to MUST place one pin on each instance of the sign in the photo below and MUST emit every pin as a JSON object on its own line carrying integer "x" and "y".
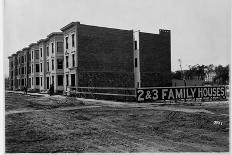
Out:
{"x": 174, "y": 93}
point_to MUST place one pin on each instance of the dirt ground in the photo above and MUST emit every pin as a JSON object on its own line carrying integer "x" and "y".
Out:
{"x": 39, "y": 124}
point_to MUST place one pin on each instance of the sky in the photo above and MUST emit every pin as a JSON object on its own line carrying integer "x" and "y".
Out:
{"x": 200, "y": 29}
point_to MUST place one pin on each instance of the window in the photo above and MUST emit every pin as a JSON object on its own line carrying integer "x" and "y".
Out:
{"x": 22, "y": 59}
{"x": 136, "y": 62}
{"x": 72, "y": 40}
{"x": 29, "y": 57}
{"x": 52, "y": 64}
{"x": 29, "y": 69}
{"x": 59, "y": 46}
{"x": 31, "y": 54}
{"x": 32, "y": 81}
{"x": 60, "y": 80}
{"x": 41, "y": 67}
{"x": 59, "y": 64}
{"x": 36, "y": 54}
{"x": 66, "y": 42}
{"x": 36, "y": 67}
{"x": 32, "y": 68}
{"x": 48, "y": 66}
{"x": 52, "y": 48}
{"x": 52, "y": 79}
{"x": 47, "y": 51}
{"x": 135, "y": 42}
{"x": 41, "y": 52}
{"x": 73, "y": 79}
{"x": 67, "y": 80}
{"x": 22, "y": 70}
{"x": 29, "y": 82}
{"x": 37, "y": 81}
{"x": 22, "y": 82}
{"x": 47, "y": 82}
{"x": 66, "y": 61}
{"x": 73, "y": 60}
{"x": 41, "y": 81}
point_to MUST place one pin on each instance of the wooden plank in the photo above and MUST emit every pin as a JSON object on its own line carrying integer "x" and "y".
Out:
{"x": 105, "y": 94}
{"x": 109, "y": 88}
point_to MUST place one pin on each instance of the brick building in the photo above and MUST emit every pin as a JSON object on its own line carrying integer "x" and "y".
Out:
{"x": 54, "y": 59}
{"x": 108, "y": 57}
{"x": 84, "y": 56}
{"x": 11, "y": 70}
{"x": 42, "y": 63}
{"x": 34, "y": 75}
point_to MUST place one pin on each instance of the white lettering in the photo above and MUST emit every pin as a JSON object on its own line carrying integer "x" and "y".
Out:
{"x": 148, "y": 96}
{"x": 210, "y": 92}
{"x": 214, "y": 92}
{"x": 193, "y": 90}
{"x": 171, "y": 94}
{"x": 164, "y": 93}
{"x": 222, "y": 91}
{"x": 155, "y": 94}
{"x": 140, "y": 98}
{"x": 188, "y": 96}
{"x": 179, "y": 94}
{"x": 218, "y": 90}
{"x": 200, "y": 92}
{"x": 205, "y": 92}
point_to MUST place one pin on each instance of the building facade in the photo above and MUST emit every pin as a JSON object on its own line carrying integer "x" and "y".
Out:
{"x": 42, "y": 64}
{"x": 11, "y": 77}
{"x": 108, "y": 57}
{"x": 34, "y": 75}
{"x": 54, "y": 62}
{"x": 86, "y": 56}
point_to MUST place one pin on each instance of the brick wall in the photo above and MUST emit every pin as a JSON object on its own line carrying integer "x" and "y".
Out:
{"x": 155, "y": 59}
{"x": 105, "y": 57}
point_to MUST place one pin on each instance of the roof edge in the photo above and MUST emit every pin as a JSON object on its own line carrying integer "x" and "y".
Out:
{"x": 69, "y": 25}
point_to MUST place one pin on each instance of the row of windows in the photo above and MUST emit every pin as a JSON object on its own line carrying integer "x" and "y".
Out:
{"x": 60, "y": 79}
{"x": 73, "y": 79}
{"x": 37, "y": 68}
{"x": 39, "y": 80}
{"x": 59, "y": 50}
{"x": 22, "y": 59}
{"x": 23, "y": 81}
{"x": 73, "y": 60}
{"x": 73, "y": 41}
{"x": 21, "y": 71}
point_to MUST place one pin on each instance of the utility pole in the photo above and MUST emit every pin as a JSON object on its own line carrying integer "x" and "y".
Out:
{"x": 179, "y": 60}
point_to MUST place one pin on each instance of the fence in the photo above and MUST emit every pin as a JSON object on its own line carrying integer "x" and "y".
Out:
{"x": 151, "y": 94}
{"x": 108, "y": 93}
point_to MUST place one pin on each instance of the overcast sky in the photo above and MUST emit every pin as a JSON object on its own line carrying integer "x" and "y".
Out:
{"x": 200, "y": 29}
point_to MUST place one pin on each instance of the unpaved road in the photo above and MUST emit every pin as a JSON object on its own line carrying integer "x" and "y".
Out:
{"x": 38, "y": 124}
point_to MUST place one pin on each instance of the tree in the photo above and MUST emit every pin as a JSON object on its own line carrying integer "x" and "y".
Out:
{"x": 222, "y": 74}
{"x": 208, "y": 71}
{"x": 176, "y": 75}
